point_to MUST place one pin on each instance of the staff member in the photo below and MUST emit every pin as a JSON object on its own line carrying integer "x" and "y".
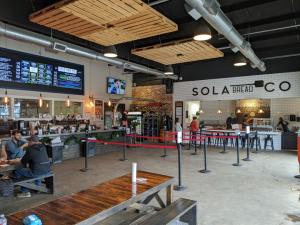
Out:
{"x": 37, "y": 159}
{"x": 283, "y": 125}
{"x": 15, "y": 147}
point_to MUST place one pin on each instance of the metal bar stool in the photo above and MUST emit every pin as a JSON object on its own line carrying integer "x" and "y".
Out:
{"x": 269, "y": 138}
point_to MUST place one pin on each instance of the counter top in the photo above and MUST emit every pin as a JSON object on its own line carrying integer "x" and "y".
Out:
{"x": 233, "y": 131}
{"x": 65, "y": 134}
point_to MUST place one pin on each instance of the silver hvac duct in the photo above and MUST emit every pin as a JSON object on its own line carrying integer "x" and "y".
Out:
{"x": 210, "y": 10}
{"x": 34, "y": 38}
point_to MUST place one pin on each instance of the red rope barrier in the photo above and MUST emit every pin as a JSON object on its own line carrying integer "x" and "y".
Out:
{"x": 131, "y": 145}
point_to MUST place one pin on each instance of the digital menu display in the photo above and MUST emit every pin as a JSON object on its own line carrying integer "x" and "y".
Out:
{"x": 31, "y": 72}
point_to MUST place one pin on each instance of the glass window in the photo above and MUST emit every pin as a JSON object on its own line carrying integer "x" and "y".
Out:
{"x": 29, "y": 108}
{"x": 61, "y": 108}
{"x": 4, "y": 108}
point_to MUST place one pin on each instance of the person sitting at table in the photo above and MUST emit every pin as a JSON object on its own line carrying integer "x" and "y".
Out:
{"x": 15, "y": 147}
{"x": 37, "y": 159}
{"x": 3, "y": 155}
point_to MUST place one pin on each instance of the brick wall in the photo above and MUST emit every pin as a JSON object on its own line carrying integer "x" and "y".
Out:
{"x": 154, "y": 92}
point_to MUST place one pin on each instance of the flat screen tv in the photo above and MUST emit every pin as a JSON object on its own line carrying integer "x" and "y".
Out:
{"x": 19, "y": 70}
{"x": 116, "y": 86}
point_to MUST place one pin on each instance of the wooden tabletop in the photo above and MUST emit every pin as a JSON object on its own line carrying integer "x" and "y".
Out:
{"x": 96, "y": 203}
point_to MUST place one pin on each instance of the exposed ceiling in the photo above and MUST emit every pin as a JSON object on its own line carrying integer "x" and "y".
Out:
{"x": 271, "y": 26}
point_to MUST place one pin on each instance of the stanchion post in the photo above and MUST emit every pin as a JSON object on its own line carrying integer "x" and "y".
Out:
{"x": 248, "y": 151}
{"x": 124, "y": 146}
{"x": 237, "y": 152}
{"x": 194, "y": 137}
{"x": 85, "y": 169}
{"x": 205, "y": 158}
{"x": 179, "y": 187}
{"x": 224, "y": 146}
{"x": 165, "y": 149}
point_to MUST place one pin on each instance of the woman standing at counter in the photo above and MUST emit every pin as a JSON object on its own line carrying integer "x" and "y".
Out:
{"x": 282, "y": 125}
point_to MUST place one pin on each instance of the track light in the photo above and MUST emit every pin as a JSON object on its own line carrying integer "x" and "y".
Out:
{"x": 202, "y": 32}
{"x": 110, "y": 52}
{"x": 239, "y": 60}
{"x": 169, "y": 70}
{"x": 6, "y": 98}
{"x": 41, "y": 101}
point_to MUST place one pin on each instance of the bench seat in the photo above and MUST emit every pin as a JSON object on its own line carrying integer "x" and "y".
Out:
{"x": 29, "y": 183}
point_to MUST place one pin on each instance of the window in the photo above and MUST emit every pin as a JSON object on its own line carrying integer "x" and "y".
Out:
{"x": 60, "y": 108}
{"x": 29, "y": 108}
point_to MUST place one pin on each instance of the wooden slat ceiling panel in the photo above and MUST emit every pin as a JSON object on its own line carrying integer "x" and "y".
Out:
{"x": 179, "y": 52}
{"x": 105, "y": 22}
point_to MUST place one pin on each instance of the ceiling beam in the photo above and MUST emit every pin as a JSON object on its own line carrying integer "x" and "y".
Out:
{"x": 266, "y": 21}
{"x": 243, "y": 5}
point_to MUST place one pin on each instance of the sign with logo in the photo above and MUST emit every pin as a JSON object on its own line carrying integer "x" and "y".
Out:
{"x": 259, "y": 86}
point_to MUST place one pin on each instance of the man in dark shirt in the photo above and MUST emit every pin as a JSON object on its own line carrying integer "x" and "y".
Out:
{"x": 37, "y": 159}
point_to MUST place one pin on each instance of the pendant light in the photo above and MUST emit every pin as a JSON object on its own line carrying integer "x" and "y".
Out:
{"x": 91, "y": 101}
{"x": 5, "y": 97}
{"x": 219, "y": 110}
{"x": 68, "y": 102}
{"x": 41, "y": 101}
{"x": 202, "y": 32}
{"x": 261, "y": 111}
{"x": 169, "y": 70}
{"x": 239, "y": 111}
{"x": 239, "y": 60}
{"x": 109, "y": 103}
{"x": 110, "y": 52}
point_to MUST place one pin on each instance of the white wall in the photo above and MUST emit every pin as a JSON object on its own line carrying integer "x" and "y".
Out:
{"x": 283, "y": 107}
{"x": 95, "y": 73}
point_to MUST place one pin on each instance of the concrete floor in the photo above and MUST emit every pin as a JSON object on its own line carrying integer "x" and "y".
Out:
{"x": 260, "y": 192}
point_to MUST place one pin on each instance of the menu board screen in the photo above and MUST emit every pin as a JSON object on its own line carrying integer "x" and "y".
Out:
{"x": 30, "y": 72}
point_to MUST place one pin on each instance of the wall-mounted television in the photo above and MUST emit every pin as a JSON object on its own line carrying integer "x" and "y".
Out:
{"x": 116, "y": 86}
{"x": 19, "y": 70}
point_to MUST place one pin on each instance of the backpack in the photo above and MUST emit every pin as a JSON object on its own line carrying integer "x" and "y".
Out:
{"x": 6, "y": 187}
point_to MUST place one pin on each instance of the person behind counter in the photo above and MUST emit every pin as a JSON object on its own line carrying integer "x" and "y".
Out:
{"x": 37, "y": 159}
{"x": 283, "y": 125}
{"x": 230, "y": 120}
{"x": 15, "y": 147}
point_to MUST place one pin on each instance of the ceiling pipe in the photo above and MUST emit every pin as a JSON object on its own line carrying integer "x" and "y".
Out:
{"x": 210, "y": 10}
{"x": 157, "y": 2}
{"x": 19, "y": 34}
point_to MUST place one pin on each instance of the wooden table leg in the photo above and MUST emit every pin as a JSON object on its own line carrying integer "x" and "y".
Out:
{"x": 169, "y": 195}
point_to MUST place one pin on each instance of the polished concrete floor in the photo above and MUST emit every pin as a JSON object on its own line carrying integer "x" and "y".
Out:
{"x": 260, "y": 192}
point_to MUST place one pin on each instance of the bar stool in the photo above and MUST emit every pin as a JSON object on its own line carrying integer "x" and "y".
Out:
{"x": 269, "y": 138}
{"x": 255, "y": 140}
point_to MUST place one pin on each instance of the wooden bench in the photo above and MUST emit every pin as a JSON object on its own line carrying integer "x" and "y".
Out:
{"x": 47, "y": 179}
{"x": 184, "y": 210}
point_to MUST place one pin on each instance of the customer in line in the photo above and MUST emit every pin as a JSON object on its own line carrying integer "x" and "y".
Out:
{"x": 178, "y": 126}
{"x": 194, "y": 127}
{"x": 15, "y": 147}
{"x": 37, "y": 159}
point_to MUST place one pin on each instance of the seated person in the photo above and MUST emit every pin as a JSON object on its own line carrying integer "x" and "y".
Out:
{"x": 3, "y": 155}
{"x": 37, "y": 159}
{"x": 15, "y": 147}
